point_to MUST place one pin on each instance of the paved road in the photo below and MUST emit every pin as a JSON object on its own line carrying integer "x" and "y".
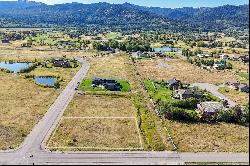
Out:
{"x": 32, "y": 150}
{"x": 215, "y": 91}
{"x": 214, "y": 157}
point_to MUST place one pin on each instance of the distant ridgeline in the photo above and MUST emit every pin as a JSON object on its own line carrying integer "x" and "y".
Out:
{"x": 125, "y": 16}
{"x": 6, "y": 5}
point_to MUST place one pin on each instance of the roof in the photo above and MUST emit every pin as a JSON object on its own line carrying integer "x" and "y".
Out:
{"x": 211, "y": 106}
{"x": 185, "y": 92}
{"x": 243, "y": 86}
{"x": 173, "y": 81}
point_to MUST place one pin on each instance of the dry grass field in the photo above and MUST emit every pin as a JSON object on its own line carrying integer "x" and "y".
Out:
{"x": 184, "y": 71}
{"x": 100, "y": 106}
{"x": 238, "y": 97}
{"x": 210, "y": 137}
{"x": 23, "y": 103}
{"x": 115, "y": 66}
{"x": 96, "y": 134}
{"x": 31, "y": 55}
{"x": 93, "y": 122}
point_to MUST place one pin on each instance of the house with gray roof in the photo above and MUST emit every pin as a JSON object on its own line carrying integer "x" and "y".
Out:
{"x": 186, "y": 93}
{"x": 210, "y": 108}
{"x": 174, "y": 83}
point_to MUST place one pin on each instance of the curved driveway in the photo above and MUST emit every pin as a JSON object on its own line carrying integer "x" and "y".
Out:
{"x": 215, "y": 91}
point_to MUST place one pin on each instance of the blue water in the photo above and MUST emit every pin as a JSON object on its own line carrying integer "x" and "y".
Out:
{"x": 166, "y": 49}
{"x": 50, "y": 81}
{"x": 14, "y": 67}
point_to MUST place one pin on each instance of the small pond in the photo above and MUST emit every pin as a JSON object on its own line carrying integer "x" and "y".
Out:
{"x": 167, "y": 49}
{"x": 14, "y": 67}
{"x": 50, "y": 81}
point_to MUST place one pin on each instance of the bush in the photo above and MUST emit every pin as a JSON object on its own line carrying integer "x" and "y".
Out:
{"x": 29, "y": 68}
{"x": 226, "y": 116}
{"x": 175, "y": 113}
{"x": 245, "y": 115}
{"x": 190, "y": 103}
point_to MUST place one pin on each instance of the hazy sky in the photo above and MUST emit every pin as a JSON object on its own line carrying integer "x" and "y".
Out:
{"x": 159, "y": 3}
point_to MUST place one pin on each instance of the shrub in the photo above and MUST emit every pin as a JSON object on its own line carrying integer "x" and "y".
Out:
{"x": 245, "y": 115}
{"x": 175, "y": 113}
{"x": 29, "y": 68}
{"x": 190, "y": 103}
{"x": 226, "y": 116}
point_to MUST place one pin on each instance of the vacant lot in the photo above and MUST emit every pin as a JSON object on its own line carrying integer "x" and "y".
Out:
{"x": 93, "y": 122}
{"x": 23, "y": 104}
{"x": 150, "y": 69}
{"x": 240, "y": 98}
{"x": 100, "y": 106}
{"x": 97, "y": 134}
{"x": 115, "y": 66}
{"x": 210, "y": 137}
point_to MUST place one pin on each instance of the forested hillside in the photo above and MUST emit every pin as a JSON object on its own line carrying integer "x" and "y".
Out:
{"x": 125, "y": 15}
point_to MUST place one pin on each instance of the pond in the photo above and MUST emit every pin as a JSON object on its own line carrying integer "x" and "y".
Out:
{"x": 167, "y": 49}
{"x": 14, "y": 67}
{"x": 50, "y": 81}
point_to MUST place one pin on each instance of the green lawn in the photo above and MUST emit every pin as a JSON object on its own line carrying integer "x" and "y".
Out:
{"x": 86, "y": 86}
{"x": 158, "y": 91}
{"x": 244, "y": 75}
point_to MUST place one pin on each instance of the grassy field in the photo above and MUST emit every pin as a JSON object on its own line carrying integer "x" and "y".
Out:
{"x": 235, "y": 95}
{"x": 97, "y": 134}
{"x": 100, "y": 122}
{"x": 23, "y": 103}
{"x": 210, "y": 137}
{"x": 158, "y": 92}
{"x": 100, "y": 106}
{"x": 183, "y": 71}
{"x": 110, "y": 106}
{"x": 32, "y": 55}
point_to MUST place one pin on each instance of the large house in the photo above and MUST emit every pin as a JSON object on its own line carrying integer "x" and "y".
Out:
{"x": 5, "y": 41}
{"x": 244, "y": 59}
{"x": 210, "y": 108}
{"x": 60, "y": 62}
{"x": 174, "y": 83}
{"x": 108, "y": 84}
{"x": 186, "y": 93}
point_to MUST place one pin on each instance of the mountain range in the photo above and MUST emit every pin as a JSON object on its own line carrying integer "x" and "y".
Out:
{"x": 32, "y": 14}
